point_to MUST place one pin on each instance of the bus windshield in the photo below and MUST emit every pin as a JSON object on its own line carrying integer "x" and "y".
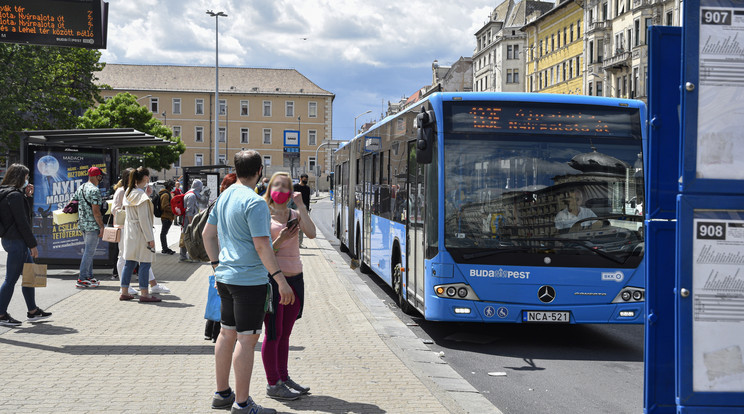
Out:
{"x": 574, "y": 196}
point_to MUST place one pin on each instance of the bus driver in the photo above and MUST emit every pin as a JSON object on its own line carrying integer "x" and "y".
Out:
{"x": 573, "y": 212}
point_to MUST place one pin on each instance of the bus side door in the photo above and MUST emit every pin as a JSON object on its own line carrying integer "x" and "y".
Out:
{"x": 415, "y": 237}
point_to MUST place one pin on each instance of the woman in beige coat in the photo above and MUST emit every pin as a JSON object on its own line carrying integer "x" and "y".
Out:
{"x": 139, "y": 244}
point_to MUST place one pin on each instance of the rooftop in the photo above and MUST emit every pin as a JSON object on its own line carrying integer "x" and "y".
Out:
{"x": 201, "y": 79}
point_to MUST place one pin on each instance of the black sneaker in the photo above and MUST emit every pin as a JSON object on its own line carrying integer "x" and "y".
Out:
{"x": 8, "y": 320}
{"x": 38, "y": 315}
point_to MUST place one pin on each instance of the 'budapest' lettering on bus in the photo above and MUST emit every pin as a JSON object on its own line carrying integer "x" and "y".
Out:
{"x": 508, "y": 274}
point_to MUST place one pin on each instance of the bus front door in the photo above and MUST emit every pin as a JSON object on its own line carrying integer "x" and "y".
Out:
{"x": 415, "y": 247}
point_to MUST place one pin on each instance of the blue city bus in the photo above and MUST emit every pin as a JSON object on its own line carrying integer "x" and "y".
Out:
{"x": 501, "y": 207}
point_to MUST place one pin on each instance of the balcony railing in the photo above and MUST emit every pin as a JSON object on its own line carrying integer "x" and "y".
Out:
{"x": 620, "y": 59}
{"x": 595, "y": 26}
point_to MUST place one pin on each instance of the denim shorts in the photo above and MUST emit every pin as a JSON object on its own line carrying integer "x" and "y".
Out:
{"x": 243, "y": 307}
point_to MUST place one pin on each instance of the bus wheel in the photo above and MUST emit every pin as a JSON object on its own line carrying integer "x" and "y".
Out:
{"x": 398, "y": 287}
{"x": 358, "y": 248}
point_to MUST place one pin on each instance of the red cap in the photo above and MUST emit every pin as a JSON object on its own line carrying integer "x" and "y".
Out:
{"x": 95, "y": 171}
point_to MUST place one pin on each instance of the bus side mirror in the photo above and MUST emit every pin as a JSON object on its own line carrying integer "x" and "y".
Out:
{"x": 426, "y": 124}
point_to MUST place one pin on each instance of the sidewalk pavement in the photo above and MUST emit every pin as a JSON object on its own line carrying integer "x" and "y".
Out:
{"x": 98, "y": 354}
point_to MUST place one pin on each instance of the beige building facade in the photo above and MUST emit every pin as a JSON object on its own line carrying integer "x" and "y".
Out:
{"x": 279, "y": 112}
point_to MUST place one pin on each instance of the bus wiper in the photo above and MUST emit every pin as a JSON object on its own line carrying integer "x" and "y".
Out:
{"x": 470, "y": 256}
{"x": 582, "y": 243}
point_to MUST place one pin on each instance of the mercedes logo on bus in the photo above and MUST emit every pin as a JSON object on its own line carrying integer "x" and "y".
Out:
{"x": 546, "y": 294}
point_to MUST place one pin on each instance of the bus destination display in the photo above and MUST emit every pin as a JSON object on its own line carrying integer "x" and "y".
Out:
{"x": 54, "y": 22}
{"x": 546, "y": 118}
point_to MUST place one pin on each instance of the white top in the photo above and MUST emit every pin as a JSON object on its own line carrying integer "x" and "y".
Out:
{"x": 565, "y": 219}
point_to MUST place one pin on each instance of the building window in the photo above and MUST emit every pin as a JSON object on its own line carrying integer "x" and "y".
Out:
{"x": 244, "y": 135}
{"x": 591, "y": 51}
{"x": 509, "y": 52}
{"x": 199, "y": 107}
{"x": 107, "y": 98}
{"x": 289, "y": 108}
{"x": 625, "y": 86}
{"x": 552, "y": 42}
{"x": 154, "y": 105}
{"x": 508, "y": 76}
{"x": 176, "y": 130}
{"x": 266, "y": 108}
{"x": 637, "y": 33}
{"x": 516, "y": 51}
{"x": 591, "y": 16}
{"x": 176, "y": 106}
{"x": 223, "y": 107}
{"x": 565, "y": 36}
{"x": 312, "y": 109}
{"x": 578, "y": 29}
{"x": 222, "y": 159}
{"x": 578, "y": 66}
{"x": 243, "y": 108}
{"x": 222, "y": 134}
{"x": 198, "y": 160}
{"x": 649, "y": 22}
{"x": 539, "y": 50}
{"x": 617, "y": 88}
{"x": 571, "y": 33}
{"x": 267, "y": 160}
{"x": 177, "y": 164}
{"x": 604, "y": 13}
{"x": 591, "y": 91}
{"x": 634, "y": 86}
{"x": 516, "y": 76}
{"x": 559, "y": 39}
{"x": 199, "y": 134}
{"x": 600, "y": 50}
{"x": 312, "y": 137}
{"x": 267, "y": 136}
{"x": 599, "y": 89}
{"x": 311, "y": 164}
{"x": 669, "y": 19}
{"x": 564, "y": 71}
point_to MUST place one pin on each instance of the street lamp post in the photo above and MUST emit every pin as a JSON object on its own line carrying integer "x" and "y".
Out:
{"x": 216, "y": 81}
{"x": 355, "y": 119}
{"x": 139, "y": 99}
{"x": 317, "y": 167}
{"x": 165, "y": 119}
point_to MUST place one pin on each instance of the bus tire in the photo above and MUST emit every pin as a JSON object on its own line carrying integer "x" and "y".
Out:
{"x": 359, "y": 256}
{"x": 398, "y": 288}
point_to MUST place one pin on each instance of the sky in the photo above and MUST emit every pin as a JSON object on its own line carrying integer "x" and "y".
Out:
{"x": 365, "y": 52}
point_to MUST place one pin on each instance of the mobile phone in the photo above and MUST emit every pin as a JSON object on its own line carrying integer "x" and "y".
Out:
{"x": 292, "y": 223}
{"x": 152, "y": 249}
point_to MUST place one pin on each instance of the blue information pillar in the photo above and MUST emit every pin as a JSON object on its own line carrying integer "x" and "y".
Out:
{"x": 661, "y": 165}
{"x": 709, "y": 292}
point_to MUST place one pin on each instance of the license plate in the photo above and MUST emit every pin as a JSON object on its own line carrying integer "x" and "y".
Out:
{"x": 541, "y": 316}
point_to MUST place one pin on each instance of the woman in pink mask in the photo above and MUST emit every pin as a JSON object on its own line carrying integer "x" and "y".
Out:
{"x": 285, "y": 224}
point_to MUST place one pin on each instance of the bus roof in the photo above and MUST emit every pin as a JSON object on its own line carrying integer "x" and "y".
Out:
{"x": 440, "y": 97}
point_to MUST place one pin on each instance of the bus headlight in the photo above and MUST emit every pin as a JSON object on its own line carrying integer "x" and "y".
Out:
{"x": 630, "y": 294}
{"x": 455, "y": 291}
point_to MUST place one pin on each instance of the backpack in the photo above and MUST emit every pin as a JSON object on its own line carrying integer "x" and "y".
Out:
{"x": 3, "y": 194}
{"x": 177, "y": 204}
{"x": 157, "y": 207}
{"x": 192, "y": 238}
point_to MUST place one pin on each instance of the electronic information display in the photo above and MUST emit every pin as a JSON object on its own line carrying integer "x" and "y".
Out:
{"x": 546, "y": 118}
{"x": 75, "y": 23}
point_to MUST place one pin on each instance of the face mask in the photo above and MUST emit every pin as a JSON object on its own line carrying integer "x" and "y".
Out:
{"x": 280, "y": 197}
{"x": 25, "y": 185}
{"x": 304, "y": 182}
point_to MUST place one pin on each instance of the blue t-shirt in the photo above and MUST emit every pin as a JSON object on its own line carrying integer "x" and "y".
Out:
{"x": 240, "y": 215}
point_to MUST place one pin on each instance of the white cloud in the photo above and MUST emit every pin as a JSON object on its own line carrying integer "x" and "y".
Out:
{"x": 361, "y": 50}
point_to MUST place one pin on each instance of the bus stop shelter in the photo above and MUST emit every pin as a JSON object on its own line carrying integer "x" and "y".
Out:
{"x": 58, "y": 161}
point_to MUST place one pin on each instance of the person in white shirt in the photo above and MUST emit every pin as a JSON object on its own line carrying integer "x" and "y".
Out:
{"x": 574, "y": 212}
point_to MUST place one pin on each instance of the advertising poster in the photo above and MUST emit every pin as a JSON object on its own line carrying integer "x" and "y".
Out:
{"x": 718, "y": 301}
{"x": 57, "y": 174}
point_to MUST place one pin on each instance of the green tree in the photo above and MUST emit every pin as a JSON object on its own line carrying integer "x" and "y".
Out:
{"x": 44, "y": 87}
{"x": 123, "y": 111}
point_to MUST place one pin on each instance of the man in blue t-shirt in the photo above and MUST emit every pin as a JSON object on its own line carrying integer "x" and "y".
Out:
{"x": 237, "y": 239}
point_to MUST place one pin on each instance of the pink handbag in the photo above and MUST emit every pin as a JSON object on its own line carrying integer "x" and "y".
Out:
{"x": 112, "y": 234}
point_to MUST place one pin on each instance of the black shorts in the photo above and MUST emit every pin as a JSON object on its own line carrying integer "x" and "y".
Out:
{"x": 243, "y": 307}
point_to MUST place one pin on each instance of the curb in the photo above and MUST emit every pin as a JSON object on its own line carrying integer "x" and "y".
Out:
{"x": 445, "y": 384}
